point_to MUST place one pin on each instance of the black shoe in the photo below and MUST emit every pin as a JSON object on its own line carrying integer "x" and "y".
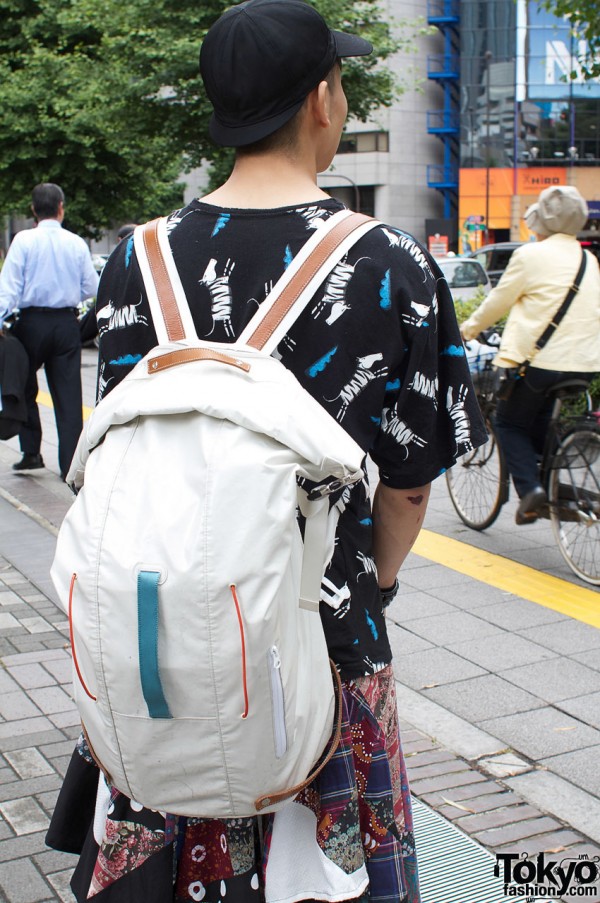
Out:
{"x": 29, "y": 462}
{"x": 531, "y": 505}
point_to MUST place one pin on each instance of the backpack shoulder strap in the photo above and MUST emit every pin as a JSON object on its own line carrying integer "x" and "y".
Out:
{"x": 168, "y": 305}
{"x": 287, "y": 299}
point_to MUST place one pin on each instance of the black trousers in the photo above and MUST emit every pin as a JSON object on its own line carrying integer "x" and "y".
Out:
{"x": 522, "y": 422}
{"x": 52, "y": 340}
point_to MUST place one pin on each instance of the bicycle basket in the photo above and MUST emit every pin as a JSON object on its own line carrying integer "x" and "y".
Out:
{"x": 479, "y": 358}
{"x": 486, "y": 379}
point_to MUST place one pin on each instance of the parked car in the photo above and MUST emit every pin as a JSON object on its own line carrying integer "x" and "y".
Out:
{"x": 465, "y": 277}
{"x": 494, "y": 258}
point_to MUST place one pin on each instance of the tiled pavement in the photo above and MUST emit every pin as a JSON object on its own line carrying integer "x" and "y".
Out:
{"x": 499, "y": 698}
{"x": 37, "y": 727}
{"x": 38, "y": 724}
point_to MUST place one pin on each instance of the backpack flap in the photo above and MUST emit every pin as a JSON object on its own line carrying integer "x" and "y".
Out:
{"x": 173, "y": 324}
{"x": 257, "y": 398}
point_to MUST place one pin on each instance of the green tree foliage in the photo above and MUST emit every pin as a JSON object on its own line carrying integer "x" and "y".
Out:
{"x": 104, "y": 98}
{"x": 584, "y": 17}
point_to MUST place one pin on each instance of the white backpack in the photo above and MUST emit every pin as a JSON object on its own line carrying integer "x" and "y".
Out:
{"x": 201, "y": 671}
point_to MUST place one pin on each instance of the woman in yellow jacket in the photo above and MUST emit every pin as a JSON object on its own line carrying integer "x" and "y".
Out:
{"x": 531, "y": 291}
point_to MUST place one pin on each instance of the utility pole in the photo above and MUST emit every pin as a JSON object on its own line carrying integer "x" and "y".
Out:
{"x": 487, "y": 57}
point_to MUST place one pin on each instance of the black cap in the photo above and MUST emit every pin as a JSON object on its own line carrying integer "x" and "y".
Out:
{"x": 260, "y": 61}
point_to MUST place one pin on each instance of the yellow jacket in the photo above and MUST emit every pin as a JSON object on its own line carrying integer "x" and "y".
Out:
{"x": 531, "y": 290}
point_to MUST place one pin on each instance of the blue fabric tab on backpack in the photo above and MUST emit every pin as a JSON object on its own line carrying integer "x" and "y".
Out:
{"x": 148, "y": 644}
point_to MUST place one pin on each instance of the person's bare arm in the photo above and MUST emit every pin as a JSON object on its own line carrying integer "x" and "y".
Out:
{"x": 398, "y": 516}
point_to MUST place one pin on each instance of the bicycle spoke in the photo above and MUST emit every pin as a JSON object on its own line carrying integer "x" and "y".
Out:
{"x": 477, "y": 484}
{"x": 575, "y": 503}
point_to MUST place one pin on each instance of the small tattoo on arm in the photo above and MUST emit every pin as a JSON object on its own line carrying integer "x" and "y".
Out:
{"x": 415, "y": 499}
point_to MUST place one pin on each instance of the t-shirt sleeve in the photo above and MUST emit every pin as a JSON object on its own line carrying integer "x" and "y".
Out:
{"x": 124, "y": 320}
{"x": 431, "y": 415}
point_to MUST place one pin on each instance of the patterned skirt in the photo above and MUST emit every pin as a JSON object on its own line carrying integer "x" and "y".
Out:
{"x": 347, "y": 836}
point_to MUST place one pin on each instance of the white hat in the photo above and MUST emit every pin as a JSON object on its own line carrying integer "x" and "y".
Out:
{"x": 560, "y": 208}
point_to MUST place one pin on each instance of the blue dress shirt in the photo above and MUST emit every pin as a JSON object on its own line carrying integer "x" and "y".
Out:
{"x": 46, "y": 267}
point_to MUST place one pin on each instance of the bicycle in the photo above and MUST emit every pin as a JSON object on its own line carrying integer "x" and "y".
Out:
{"x": 569, "y": 472}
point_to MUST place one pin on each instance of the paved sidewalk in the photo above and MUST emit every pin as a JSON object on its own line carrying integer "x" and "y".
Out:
{"x": 498, "y": 696}
{"x": 453, "y": 766}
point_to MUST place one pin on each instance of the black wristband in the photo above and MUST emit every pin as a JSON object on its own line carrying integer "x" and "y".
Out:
{"x": 389, "y": 593}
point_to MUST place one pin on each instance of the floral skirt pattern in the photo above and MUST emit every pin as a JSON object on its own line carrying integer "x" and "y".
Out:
{"x": 354, "y": 821}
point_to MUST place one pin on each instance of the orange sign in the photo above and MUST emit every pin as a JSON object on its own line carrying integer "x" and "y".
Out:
{"x": 438, "y": 245}
{"x": 478, "y": 182}
{"x": 490, "y": 191}
{"x": 496, "y": 182}
{"x": 534, "y": 179}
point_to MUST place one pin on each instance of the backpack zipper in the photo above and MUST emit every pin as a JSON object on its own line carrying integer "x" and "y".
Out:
{"x": 72, "y": 638}
{"x": 278, "y": 702}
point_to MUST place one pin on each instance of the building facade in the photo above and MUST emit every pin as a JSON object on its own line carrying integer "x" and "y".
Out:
{"x": 492, "y": 118}
{"x": 390, "y": 158}
{"x": 525, "y": 123}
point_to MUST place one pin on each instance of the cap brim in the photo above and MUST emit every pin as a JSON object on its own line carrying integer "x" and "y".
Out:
{"x": 350, "y": 44}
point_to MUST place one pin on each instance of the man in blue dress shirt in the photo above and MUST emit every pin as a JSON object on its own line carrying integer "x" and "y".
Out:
{"x": 47, "y": 273}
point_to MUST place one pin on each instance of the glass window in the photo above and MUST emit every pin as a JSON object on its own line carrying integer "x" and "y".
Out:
{"x": 463, "y": 273}
{"x": 347, "y": 145}
{"x": 518, "y": 105}
{"x": 364, "y": 142}
{"x": 357, "y": 197}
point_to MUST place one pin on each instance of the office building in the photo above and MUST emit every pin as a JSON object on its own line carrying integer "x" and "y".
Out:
{"x": 498, "y": 117}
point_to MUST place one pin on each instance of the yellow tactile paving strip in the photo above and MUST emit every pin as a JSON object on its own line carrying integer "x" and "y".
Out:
{"x": 528, "y": 583}
{"x": 44, "y": 398}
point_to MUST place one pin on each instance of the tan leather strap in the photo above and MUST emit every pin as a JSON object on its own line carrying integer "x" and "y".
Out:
{"x": 301, "y": 279}
{"x": 188, "y": 355}
{"x": 162, "y": 281}
{"x": 314, "y": 262}
{"x": 272, "y": 798}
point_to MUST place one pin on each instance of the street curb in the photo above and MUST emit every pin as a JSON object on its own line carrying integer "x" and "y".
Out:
{"x": 575, "y": 806}
{"x": 448, "y": 729}
{"x": 25, "y": 509}
{"x": 554, "y": 795}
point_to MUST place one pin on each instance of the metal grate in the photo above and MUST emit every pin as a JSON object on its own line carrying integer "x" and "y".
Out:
{"x": 452, "y": 867}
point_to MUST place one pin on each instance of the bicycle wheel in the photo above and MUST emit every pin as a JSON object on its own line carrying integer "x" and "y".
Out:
{"x": 478, "y": 483}
{"x": 574, "y": 495}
